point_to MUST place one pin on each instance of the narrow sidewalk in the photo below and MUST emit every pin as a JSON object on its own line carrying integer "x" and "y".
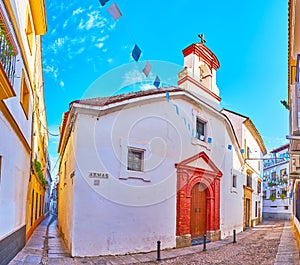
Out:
{"x": 46, "y": 247}
{"x": 288, "y": 252}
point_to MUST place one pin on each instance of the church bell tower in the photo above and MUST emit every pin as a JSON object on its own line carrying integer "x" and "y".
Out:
{"x": 199, "y": 72}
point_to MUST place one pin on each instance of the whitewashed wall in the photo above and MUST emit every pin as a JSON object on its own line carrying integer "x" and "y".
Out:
{"x": 15, "y": 158}
{"x": 66, "y": 189}
{"x": 255, "y": 153}
{"x": 14, "y": 180}
{"x": 117, "y": 215}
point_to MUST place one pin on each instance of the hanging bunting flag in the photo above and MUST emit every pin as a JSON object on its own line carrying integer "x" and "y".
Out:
{"x": 167, "y": 96}
{"x": 136, "y": 53}
{"x": 147, "y": 69}
{"x": 189, "y": 127}
{"x": 114, "y": 11}
{"x": 184, "y": 120}
{"x": 229, "y": 147}
{"x": 103, "y": 2}
{"x": 177, "y": 109}
{"x": 193, "y": 132}
{"x": 242, "y": 151}
{"x": 209, "y": 140}
{"x": 156, "y": 82}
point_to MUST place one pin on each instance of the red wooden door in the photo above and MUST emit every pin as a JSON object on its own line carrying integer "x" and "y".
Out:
{"x": 198, "y": 211}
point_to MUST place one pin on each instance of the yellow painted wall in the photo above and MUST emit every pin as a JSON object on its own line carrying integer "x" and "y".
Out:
{"x": 35, "y": 204}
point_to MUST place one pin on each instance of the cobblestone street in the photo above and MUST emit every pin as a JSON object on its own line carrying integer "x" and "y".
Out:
{"x": 272, "y": 242}
{"x": 259, "y": 246}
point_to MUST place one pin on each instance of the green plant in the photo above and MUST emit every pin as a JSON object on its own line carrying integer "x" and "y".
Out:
{"x": 39, "y": 172}
{"x": 285, "y": 104}
{"x": 283, "y": 181}
{"x": 271, "y": 184}
{"x": 272, "y": 197}
{"x": 282, "y": 196}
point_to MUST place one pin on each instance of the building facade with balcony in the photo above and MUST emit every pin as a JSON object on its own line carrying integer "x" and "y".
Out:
{"x": 294, "y": 107}
{"x": 21, "y": 99}
{"x": 277, "y": 188}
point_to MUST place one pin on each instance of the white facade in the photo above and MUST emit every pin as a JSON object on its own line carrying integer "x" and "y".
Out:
{"x": 15, "y": 144}
{"x": 20, "y": 78}
{"x": 104, "y": 207}
{"x": 277, "y": 185}
{"x": 253, "y": 150}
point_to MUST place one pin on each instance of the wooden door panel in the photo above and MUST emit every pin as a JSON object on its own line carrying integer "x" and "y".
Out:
{"x": 198, "y": 211}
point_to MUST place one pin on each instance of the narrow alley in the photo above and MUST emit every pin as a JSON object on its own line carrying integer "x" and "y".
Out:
{"x": 272, "y": 242}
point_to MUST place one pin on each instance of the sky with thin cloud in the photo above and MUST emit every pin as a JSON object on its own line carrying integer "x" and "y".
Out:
{"x": 85, "y": 49}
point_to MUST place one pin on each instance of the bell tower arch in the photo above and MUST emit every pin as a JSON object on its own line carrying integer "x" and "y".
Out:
{"x": 199, "y": 72}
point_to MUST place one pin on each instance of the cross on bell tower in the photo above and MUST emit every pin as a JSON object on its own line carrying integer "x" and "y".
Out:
{"x": 201, "y": 36}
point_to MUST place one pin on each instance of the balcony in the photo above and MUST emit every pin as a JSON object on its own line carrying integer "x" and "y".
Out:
{"x": 7, "y": 65}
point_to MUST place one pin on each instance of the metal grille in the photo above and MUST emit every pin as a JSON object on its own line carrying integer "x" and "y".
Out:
{"x": 7, "y": 55}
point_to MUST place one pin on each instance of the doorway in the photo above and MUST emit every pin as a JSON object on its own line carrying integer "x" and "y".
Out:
{"x": 198, "y": 210}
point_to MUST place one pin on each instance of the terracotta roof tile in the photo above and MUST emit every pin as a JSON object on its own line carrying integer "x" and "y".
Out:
{"x": 103, "y": 101}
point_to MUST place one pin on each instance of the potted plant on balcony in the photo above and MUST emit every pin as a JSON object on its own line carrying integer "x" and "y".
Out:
{"x": 272, "y": 197}
{"x": 271, "y": 184}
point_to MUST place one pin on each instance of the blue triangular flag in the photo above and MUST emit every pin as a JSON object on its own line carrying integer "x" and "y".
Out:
{"x": 189, "y": 127}
{"x": 156, "y": 82}
{"x": 177, "y": 109}
{"x": 103, "y": 2}
{"x": 136, "y": 53}
{"x": 167, "y": 95}
{"x": 229, "y": 147}
{"x": 209, "y": 140}
{"x": 242, "y": 151}
{"x": 184, "y": 120}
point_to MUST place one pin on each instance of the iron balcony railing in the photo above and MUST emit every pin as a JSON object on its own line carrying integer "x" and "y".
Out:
{"x": 7, "y": 55}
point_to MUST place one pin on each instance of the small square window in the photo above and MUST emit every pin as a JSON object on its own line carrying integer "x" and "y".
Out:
{"x": 200, "y": 129}
{"x": 135, "y": 159}
{"x": 234, "y": 180}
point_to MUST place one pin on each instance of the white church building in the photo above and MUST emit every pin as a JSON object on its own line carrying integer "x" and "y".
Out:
{"x": 163, "y": 164}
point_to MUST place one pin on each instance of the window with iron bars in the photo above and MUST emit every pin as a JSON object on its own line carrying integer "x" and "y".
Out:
{"x": 7, "y": 54}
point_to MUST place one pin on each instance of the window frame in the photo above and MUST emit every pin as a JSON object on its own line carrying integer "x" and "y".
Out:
{"x": 259, "y": 187}
{"x": 249, "y": 180}
{"x": 200, "y": 137}
{"x": 29, "y": 31}
{"x": 234, "y": 181}
{"x": 131, "y": 164}
{"x": 25, "y": 96}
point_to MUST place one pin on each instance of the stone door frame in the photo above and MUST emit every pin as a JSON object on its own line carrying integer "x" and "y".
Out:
{"x": 187, "y": 177}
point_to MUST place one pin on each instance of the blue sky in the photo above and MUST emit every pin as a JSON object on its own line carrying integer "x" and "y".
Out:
{"x": 84, "y": 46}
